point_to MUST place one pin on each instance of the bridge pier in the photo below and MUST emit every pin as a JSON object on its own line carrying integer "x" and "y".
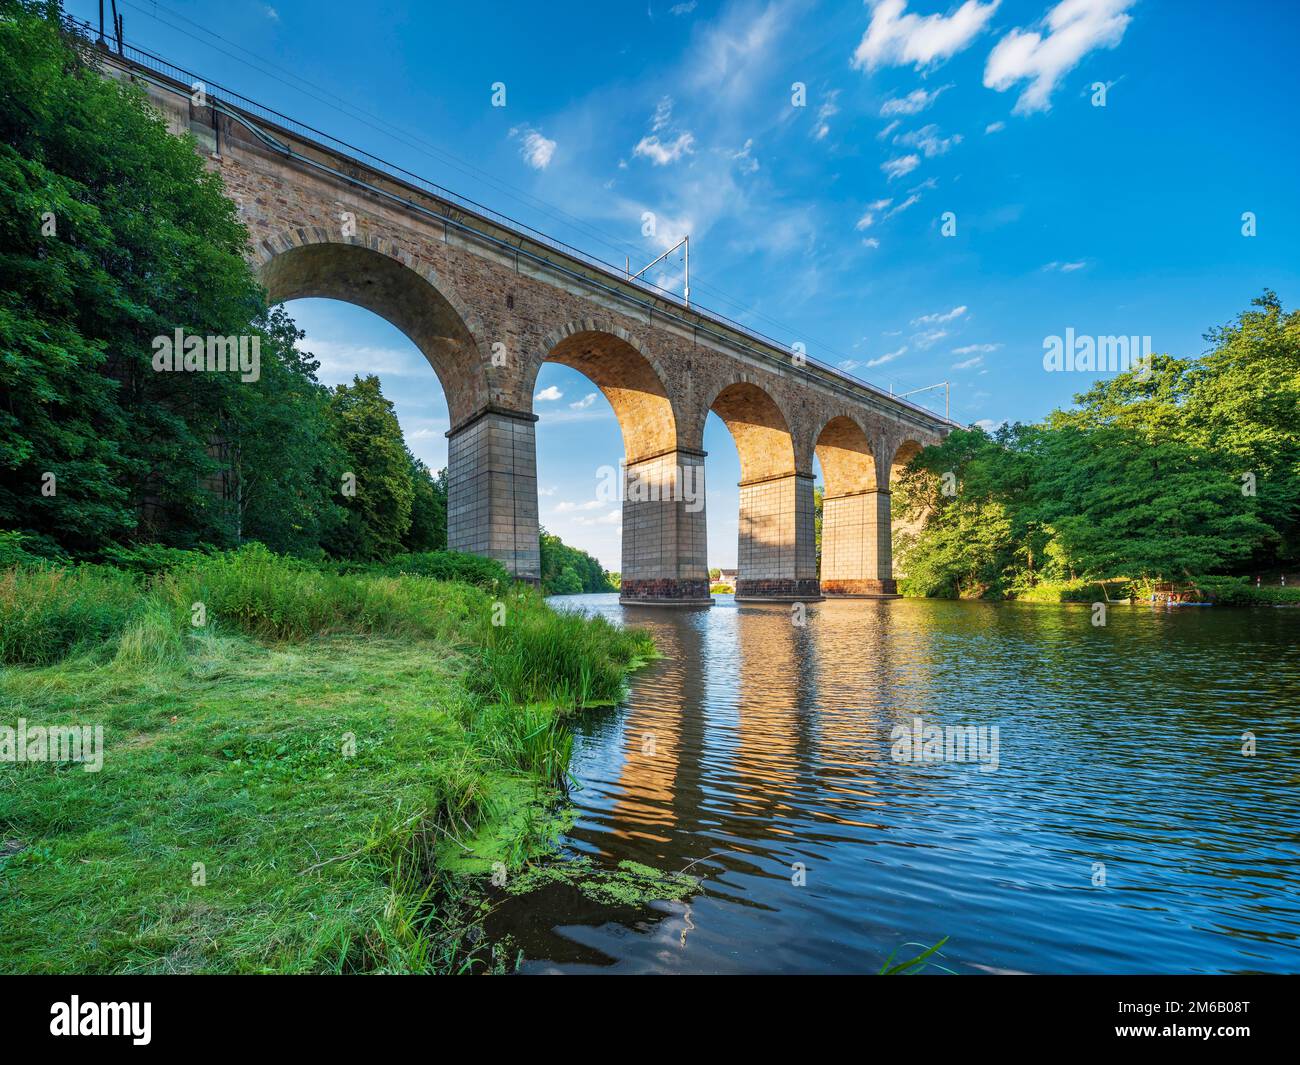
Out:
{"x": 777, "y": 555}
{"x": 492, "y": 490}
{"x": 857, "y": 553}
{"x": 665, "y": 558}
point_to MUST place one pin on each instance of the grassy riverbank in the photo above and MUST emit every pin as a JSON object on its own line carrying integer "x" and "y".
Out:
{"x": 288, "y": 785}
{"x": 1223, "y": 591}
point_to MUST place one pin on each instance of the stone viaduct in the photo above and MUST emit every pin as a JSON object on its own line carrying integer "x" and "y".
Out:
{"x": 488, "y": 302}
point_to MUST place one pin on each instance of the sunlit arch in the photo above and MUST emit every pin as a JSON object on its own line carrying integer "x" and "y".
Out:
{"x": 382, "y": 282}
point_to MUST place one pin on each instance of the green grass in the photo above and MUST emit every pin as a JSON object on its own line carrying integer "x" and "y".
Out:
{"x": 231, "y": 744}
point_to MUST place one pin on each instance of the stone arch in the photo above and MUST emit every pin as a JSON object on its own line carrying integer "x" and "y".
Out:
{"x": 905, "y": 451}
{"x": 380, "y": 275}
{"x": 629, "y": 378}
{"x": 847, "y": 457}
{"x": 759, "y": 428}
{"x": 776, "y": 552}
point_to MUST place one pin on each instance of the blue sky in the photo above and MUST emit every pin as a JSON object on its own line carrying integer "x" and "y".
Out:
{"x": 821, "y": 223}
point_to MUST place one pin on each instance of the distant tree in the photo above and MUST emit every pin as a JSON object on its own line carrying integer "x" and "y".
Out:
{"x": 428, "y": 529}
{"x": 567, "y": 583}
{"x": 284, "y": 461}
{"x": 556, "y": 556}
{"x": 365, "y": 428}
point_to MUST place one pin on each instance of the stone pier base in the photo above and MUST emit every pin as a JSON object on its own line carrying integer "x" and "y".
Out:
{"x": 778, "y": 591}
{"x": 665, "y": 553}
{"x": 857, "y": 558}
{"x": 492, "y": 490}
{"x": 777, "y": 553}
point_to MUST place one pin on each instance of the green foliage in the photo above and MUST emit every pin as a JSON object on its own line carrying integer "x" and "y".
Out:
{"x": 442, "y": 566}
{"x": 428, "y": 529}
{"x": 569, "y": 571}
{"x": 46, "y": 613}
{"x": 143, "y": 243}
{"x": 378, "y": 514}
{"x": 543, "y": 655}
{"x": 286, "y": 460}
{"x": 1145, "y": 478}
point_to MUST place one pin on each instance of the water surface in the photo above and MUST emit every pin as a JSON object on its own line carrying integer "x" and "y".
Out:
{"x": 1123, "y": 829}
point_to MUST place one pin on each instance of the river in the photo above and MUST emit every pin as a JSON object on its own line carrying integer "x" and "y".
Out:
{"x": 1112, "y": 824}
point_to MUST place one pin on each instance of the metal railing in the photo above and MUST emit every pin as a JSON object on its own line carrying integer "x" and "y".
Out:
{"x": 140, "y": 57}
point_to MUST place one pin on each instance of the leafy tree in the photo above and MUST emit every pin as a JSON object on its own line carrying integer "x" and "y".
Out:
{"x": 567, "y": 583}
{"x": 113, "y": 234}
{"x": 428, "y": 529}
{"x": 366, "y": 431}
{"x": 286, "y": 465}
{"x": 558, "y": 556}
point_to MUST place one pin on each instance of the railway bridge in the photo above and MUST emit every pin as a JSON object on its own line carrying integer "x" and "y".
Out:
{"x": 488, "y": 301}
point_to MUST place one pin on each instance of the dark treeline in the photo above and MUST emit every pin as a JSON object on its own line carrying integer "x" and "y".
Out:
{"x": 1177, "y": 471}
{"x": 113, "y": 239}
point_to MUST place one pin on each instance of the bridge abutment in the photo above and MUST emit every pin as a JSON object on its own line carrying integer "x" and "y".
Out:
{"x": 857, "y": 554}
{"x": 777, "y": 556}
{"x": 492, "y": 490}
{"x": 665, "y": 556}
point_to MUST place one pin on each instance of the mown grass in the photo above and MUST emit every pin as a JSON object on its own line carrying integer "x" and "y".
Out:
{"x": 323, "y": 749}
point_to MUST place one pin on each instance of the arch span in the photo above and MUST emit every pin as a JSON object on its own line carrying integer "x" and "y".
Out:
{"x": 634, "y": 386}
{"x": 663, "y": 525}
{"x": 856, "y": 557}
{"x": 776, "y": 552}
{"x": 380, "y": 281}
{"x": 846, "y": 456}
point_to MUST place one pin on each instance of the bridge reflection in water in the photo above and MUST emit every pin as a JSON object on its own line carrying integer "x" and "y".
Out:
{"x": 757, "y": 748}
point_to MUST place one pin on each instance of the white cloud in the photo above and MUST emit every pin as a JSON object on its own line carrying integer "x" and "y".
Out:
{"x": 271, "y": 13}
{"x": 824, "y": 113}
{"x": 743, "y": 158}
{"x": 896, "y": 39}
{"x": 928, "y": 140}
{"x": 901, "y": 166}
{"x": 995, "y": 127}
{"x": 550, "y": 392}
{"x": 585, "y": 402}
{"x": 871, "y": 242}
{"x": 613, "y": 517}
{"x": 340, "y": 362}
{"x": 1076, "y": 27}
{"x": 929, "y": 339}
{"x": 937, "y": 318}
{"x": 889, "y": 357}
{"x": 655, "y": 148}
{"x": 913, "y": 103}
{"x": 903, "y": 206}
{"x": 535, "y": 149}
{"x": 682, "y": 9}
{"x": 1065, "y": 268}
{"x": 988, "y": 424}
{"x": 975, "y": 361}
{"x": 662, "y": 154}
{"x": 972, "y": 349}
